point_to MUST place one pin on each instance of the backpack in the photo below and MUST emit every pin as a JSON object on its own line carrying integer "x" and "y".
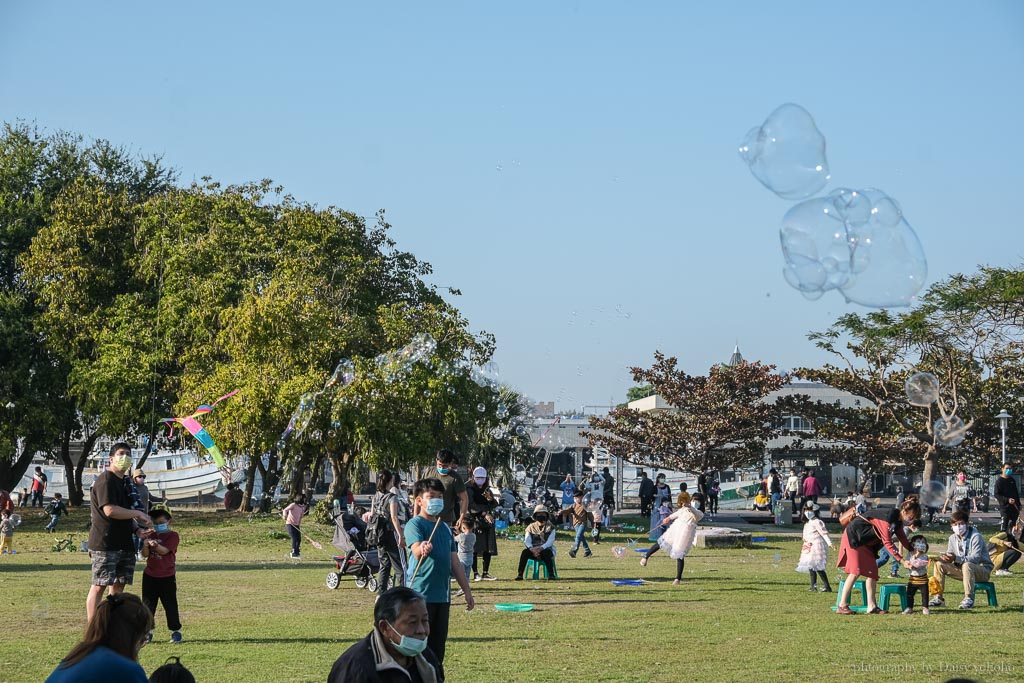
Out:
{"x": 861, "y": 532}
{"x": 379, "y": 522}
{"x": 51, "y": 508}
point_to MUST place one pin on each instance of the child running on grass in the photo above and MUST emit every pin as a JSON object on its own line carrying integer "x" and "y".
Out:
{"x": 814, "y": 553}
{"x": 678, "y": 540}
{"x": 578, "y": 515}
{"x": 293, "y": 522}
{"x": 917, "y": 563}
{"x": 158, "y": 580}
{"x": 55, "y": 508}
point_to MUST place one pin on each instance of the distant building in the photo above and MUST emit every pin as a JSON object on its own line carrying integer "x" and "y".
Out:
{"x": 544, "y": 409}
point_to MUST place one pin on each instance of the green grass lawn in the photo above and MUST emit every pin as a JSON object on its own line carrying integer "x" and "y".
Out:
{"x": 252, "y": 615}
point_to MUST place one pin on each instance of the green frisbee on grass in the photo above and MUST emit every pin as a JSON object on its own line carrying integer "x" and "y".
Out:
{"x": 514, "y": 607}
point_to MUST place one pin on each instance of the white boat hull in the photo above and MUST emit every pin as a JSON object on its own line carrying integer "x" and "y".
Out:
{"x": 173, "y": 475}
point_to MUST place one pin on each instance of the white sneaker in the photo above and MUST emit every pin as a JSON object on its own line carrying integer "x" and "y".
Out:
{"x": 937, "y": 602}
{"x": 1003, "y": 572}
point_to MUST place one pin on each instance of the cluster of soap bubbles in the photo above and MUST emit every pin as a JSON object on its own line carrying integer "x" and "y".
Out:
{"x": 393, "y": 364}
{"x": 922, "y": 391}
{"x": 854, "y": 241}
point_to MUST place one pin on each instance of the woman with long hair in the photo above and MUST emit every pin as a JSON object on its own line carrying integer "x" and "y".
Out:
{"x": 872, "y": 535}
{"x": 109, "y": 650}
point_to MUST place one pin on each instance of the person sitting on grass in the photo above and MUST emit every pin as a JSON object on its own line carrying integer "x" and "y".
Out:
{"x": 396, "y": 650}
{"x": 966, "y": 558}
{"x": 109, "y": 650}
{"x": 539, "y": 540}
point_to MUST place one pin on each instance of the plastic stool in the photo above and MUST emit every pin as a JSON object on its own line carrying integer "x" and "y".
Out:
{"x": 990, "y": 591}
{"x": 858, "y": 584}
{"x": 537, "y": 565}
{"x": 888, "y": 590}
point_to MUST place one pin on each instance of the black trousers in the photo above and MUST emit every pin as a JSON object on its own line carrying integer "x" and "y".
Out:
{"x": 713, "y": 504}
{"x": 487, "y": 562}
{"x": 164, "y": 590}
{"x": 391, "y": 559}
{"x": 438, "y": 613}
{"x": 1007, "y": 517}
{"x": 913, "y": 589}
{"x": 1010, "y": 556}
{"x": 546, "y": 556}
{"x": 645, "y": 505}
{"x": 680, "y": 563}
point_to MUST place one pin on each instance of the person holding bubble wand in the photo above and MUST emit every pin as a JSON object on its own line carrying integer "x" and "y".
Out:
{"x": 434, "y": 560}
{"x": 679, "y": 538}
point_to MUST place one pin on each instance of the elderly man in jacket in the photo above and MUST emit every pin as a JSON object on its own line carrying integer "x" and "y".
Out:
{"x": 396, "y": 649}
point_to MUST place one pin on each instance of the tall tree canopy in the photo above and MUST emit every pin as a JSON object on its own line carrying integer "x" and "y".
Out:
{"x": 717, "y": 421}
{"x": 968, "y": 331}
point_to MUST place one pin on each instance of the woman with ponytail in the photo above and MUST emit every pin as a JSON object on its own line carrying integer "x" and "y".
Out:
{"x": 109, "y": 650}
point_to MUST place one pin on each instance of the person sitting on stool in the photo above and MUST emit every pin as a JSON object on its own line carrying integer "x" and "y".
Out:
{"x": 540, "y": 540}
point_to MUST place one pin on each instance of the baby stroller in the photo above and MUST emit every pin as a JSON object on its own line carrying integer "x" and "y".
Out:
{"x": 354, "y": 560}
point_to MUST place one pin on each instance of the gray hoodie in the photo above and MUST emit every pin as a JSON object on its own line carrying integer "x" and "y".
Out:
{"x": 971, "y": 548}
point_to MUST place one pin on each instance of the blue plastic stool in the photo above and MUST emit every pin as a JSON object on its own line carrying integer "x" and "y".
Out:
{"x": 537, "y": 565}
{"x": 990, "y": 591}
{"x": 858, "y": 584}
{"x": 888, "y": 590}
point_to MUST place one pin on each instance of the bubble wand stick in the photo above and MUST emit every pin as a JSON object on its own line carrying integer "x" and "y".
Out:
{"x": 419, "y": 563}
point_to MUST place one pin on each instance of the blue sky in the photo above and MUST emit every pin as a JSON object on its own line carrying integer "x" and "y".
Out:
{"x": 570, "y": 166}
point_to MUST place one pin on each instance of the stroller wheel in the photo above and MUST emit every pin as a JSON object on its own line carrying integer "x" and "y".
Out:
{"x": 333, "y": 580}
{"x": 361, "y": 582}
{"x": 371, "y": 584}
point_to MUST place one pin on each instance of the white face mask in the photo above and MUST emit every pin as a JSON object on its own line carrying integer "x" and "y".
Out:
{"x": 921, "y": 547}
{"x": 809, "y": 515}
{"x": 479, "y": 480}
{"x": 960, "y": 530}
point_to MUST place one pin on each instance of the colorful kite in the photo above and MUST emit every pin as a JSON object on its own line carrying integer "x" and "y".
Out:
{"x": 202, "y": 436}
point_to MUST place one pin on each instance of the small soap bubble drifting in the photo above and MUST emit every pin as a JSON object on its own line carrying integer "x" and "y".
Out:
{"x": 922, "y": 389}
{"x": 856, "y": 241}
{"x": 786, "y": 153}
{"x": 950, "y": 432}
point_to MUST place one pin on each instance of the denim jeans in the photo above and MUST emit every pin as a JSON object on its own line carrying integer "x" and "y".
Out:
{"x": 884, "y": 557}
{"x": 581, "y": 538}
{"x": 53, "y": 522}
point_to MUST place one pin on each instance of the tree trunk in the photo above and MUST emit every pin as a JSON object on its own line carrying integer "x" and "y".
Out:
{"x": 149, "y": 449}
{"x": 340, "y": 463}
{"x": 11, "y": 471}
{"x": 930, "y": 465}
{"x": 254, "y": 463}
{"x": 75, "y": 491}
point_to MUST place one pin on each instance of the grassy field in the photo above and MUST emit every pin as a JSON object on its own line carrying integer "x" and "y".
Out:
{"x": 252, "y": 615}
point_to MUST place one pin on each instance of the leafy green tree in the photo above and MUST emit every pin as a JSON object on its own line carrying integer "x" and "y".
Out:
{"x": 966, "y": 330}
{"x": 49, "y": 187}
{"x": 717, "y": 421}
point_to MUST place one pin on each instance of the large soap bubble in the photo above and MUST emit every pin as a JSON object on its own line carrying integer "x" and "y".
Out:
{"x": 787, "y": 153}
{"x": 950, "y": 432}
{"x": 922, "y": 389}
{"x": 856, "y": 241}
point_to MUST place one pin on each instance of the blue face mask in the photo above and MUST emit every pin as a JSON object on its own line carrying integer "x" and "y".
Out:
{"x": 410, "y": 647}
{"x": 160, "y": 528}
{"x": 434, "y": 506}
{"x": 442, "y": 470}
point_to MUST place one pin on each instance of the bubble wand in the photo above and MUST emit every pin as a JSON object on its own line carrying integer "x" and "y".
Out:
{"x": 419, "y": 563}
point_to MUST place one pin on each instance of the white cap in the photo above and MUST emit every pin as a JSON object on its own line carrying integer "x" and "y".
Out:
{"x": 479, "y": 473}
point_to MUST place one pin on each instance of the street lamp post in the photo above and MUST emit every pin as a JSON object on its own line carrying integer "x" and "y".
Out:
{"x": 1004, "y": 420}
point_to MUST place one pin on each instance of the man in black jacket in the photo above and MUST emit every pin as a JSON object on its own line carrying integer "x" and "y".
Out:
{"x": 1008, "y": 497}
{"x": 396, "y": 650}
{"x": 646, "y": 494}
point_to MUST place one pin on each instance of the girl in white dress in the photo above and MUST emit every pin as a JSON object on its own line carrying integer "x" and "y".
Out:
{"x": 678, "y": 540}
{"x": 814, "y": 553}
